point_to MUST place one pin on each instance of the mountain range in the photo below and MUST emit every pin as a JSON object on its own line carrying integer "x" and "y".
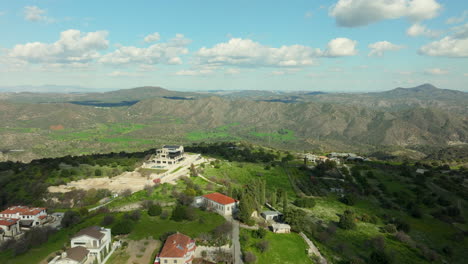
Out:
{"x": 414, "y": 121}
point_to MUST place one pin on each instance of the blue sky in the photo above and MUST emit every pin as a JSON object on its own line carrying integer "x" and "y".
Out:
{"x": 339, "y": 45}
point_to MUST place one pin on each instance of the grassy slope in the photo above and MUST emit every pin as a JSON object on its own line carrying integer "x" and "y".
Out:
{"x": 283, "y": 248}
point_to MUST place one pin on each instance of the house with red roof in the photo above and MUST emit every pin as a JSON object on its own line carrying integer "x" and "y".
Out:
{"x": 27, "y": 216}
{"x": 9, "y": 228}
{"x": 178, "y": 249}
{"x": 220, "y": 203}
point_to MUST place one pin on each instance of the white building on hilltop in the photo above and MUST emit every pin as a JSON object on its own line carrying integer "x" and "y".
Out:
{"x": 169, "y": 155}
{"x": 27, "y": 216}
{"x": 220, "y": 203}
{"x": 95, "y": 239}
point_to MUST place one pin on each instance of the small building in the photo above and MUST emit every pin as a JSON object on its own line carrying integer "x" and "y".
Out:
{"x": 76, "y": 255}
{"x": 9, "y": 228}
{"x": 311, "y": 157}
{"x": 95, "y": 239}
{"x": 169, "y": 155}
{"x": 421, "y": 171}
{"x": 281, "y": 228}
{"x": 322, "y": 158}
{"x": 272, "y": 215}
{"x": 28, "y": 216}
{"x": 178, "y": 249}
{"x": 222, "y": 204}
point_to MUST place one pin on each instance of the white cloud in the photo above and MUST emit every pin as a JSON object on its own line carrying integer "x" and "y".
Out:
{"x": 152, "y": 37}
{"x": 455, "y": 45}
{"x": 355, "y": 13}
{"x": 124, "y": 74}
{"x": 160, "y": 53}
{"x": 435, "y": 71}
{"x": 379, "y": 48}
{"x": 418, "y": 29}
{"x": 248, "y": 53}
{"x": 232, "y": 71}
{"x": 459, "y": 19}
{"x": 245, "y": 52}
{"x": 309, "y": 14}
{"x": 35, "y": 14}
{"x": 72, "y": 47}
{"x": 340, "y": 47}
{"x": 194, "y": 72}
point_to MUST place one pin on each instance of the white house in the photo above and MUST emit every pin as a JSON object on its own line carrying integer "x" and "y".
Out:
{"x": 76, "y": 255}
{"x": 9, "y": 228}
{"x": 28, "y": 216}
{"x": 95, "y": 239}
{"x": 272, "y": 215}
{"x": 222, "y": 204}
{"x": 169, "y": 155}
{"x": 178, "y": 249}
{"x": 281, "y": 228}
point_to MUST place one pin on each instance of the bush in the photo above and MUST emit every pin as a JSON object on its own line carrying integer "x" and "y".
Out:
{"x": 379, "y": 257}
{"x": 389, "y": 228}
{"x": 347, "y": 220}
{"x": 249, "y": 257}
{"x": 155, "y": 210}
{"x": 70, "y": 218}
{"x": 165, "y": 235}
{"x": 259, "y": 233}
{"x": 263, "y": 245}
{"x": 108, "y": 220}
{"x": 122, "y": 227}
{"x": 348, "y": 199}
{"x": 305, "y": 202}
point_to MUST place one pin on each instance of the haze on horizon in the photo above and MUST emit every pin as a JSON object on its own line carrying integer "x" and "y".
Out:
{"x": 340, "y": 45}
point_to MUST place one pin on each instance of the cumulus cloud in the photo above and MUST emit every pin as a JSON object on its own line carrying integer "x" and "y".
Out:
{"x": 72, "y": 47}
{"x": 455, "y": 45}
{"x": 248, "y": 53}
{"x": 435, "y": 71}
{"x": 459, "y": 19}
{"x": 379, "y": 48}
{"x": 355, "y": 13}
{"x": 164, "y": 53}
{"x": 341, "y": 47}
{"x": 152, "y": 37}
{"x": 35, "y": 14}
{"x": 418, "y": 29}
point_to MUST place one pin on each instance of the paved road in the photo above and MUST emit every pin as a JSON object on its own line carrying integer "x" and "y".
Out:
{"x": 236, "y": 248}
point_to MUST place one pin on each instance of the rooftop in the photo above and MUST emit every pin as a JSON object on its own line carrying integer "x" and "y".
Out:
{"x": 172, "y": 146}
{"x": 4, "y": 221}
{"x": 23, "y": 210}
{"x": 176, "y": 246}
{"x": 92, "y": 231}
{"x": 77, "y": 253}
{"x": 219, "y": 198}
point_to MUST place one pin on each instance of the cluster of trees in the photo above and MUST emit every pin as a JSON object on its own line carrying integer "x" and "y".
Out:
{"x": 242, "y": 152}
{"x": 253, "y": 197}
{"x": 26, "y": 183}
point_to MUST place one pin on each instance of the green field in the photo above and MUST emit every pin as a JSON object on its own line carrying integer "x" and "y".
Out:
{"x": 280, "y": 135}
{"x": 283, "y": 248}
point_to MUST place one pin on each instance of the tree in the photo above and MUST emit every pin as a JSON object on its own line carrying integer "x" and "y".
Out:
{"x": 305, "y": 202}
{"x": 259, "y": 233}
{"x": 249, "y": 257}
{"x": 263, "y": 245}
{"x": 193, "y": 171}
{"x": 108, "y": 220}
{"x": 122, "y": 227}
{"x": 245, "y": 208}
{"x": 348, "y": 199}
{"x": 98, "y": 172}
{"x": 154, "y": 210}
{"x": 347, "y": 220}
{"x": 285, "y": 201}
{"x": 70, "y": 218}
{"x": 379, "y": 257}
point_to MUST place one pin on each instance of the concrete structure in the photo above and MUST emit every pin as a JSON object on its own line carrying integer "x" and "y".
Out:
{"x": 178, "y": 249}
{"x": 272, "y": 215}
{"x": 281, "y": 228}
{"x": 28, "y": 217}
{"x": 220, "y": 203}
{"x": 9, "y": 228}
{"x": 168, "y": 155}
{"x": 95, "y": 239}
{"x": 76, "y": 255}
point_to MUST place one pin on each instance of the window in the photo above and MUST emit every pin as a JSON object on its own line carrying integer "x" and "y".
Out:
{"x": 165, "y": 261}
{"x": 175, "y": 260}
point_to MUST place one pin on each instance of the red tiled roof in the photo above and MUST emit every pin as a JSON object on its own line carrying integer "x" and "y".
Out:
{"x": 7, "y": 221}
{"x": 219, "y": 198}
{"x": 42, "y": 217}
{"x": 22, "y": 210}
{"x": 175, "y": 246}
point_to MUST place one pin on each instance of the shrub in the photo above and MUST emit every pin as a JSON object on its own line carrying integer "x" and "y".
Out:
{"x": 122, "y": 227}
{"x": 155, "y": 210}
{"x": 249, "y": 257}
{"x": 108, "y": 220}
{"x": 348, "y": 199}
{"x": 305, "y": 202}
{"x": 70, "y": 218}
{"x": 389, "y": 228}
{"x": 263, "y": 245}
{"x": 259, "y": 233}
{"x": 347, "y": 220}
{"x": 379, "y": 257}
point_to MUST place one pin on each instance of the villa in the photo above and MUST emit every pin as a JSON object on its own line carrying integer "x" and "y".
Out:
{"x": 222, "y": 204}
{"x": 27, "y": 216}
{"x": 169, "y": 155}
{"x": 76, "y": 255}
{"x": 95, "y": 239}
{"x": 9, "y": 228}
{"x": 178, "y": 249}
